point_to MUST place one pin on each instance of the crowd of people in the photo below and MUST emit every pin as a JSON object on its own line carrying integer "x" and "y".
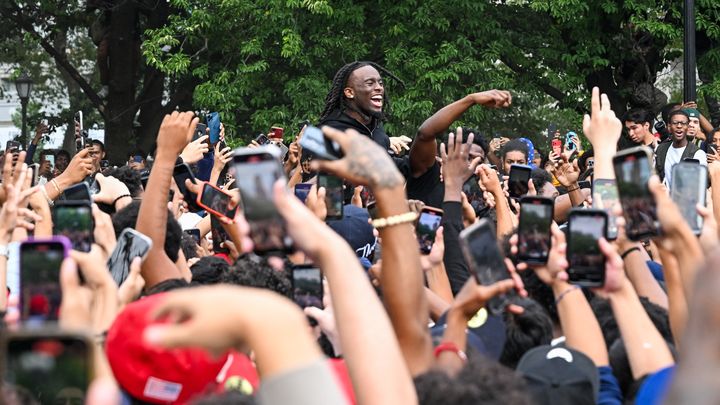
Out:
{"x": 205, "y": 314}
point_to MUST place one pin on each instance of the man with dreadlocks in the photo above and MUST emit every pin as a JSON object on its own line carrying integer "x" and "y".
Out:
{"x": 356, "y": 100}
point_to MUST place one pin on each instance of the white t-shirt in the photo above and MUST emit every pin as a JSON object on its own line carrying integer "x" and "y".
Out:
{"x": 673, "y": 157}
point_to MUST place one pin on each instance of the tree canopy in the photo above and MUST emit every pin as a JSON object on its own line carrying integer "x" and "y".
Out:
{"x": 270, "y": 62}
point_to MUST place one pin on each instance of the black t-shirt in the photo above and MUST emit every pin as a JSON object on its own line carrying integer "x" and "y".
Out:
{"x": 374, "y": 130}
{"x": 427, "y": 187}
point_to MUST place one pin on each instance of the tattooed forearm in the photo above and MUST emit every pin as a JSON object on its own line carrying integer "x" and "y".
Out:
{"x": 371, "y": 162}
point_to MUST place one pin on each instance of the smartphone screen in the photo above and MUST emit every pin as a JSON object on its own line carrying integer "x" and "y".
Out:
{"x": 605, "y": 197}
{"x": 75, "y": 222}
{"x": 78, "y": 192}
{"x": 200, "y": 130}
{"x": 307, "y": 286}
{"x": 218, "y": 235}
{"x": 485, "y": 260}
{"x": 427, "y": 225}
{"x": 51, "y": 369}
{"x": 688, "y": 189}
{"x": 217, "y": 202}
{"x": 632, "y": 172}
{"x": 256, "y": 171}
{"x": 334, "y": 195}
{"x": 557, "y": 146}
{"x": 40, "y": 293}
{"x": 474, "y": 194}
{"x": 130, "y": 244}
{"x": 302, "y": 190}
{"x": 262, "y": 139}
{"x": 586, "y": 261}
{"x": 534, "y": 242}
{"x": 181, "y": 173}
{"x": 194, "y": 233}
{"x": 518, "y": 181}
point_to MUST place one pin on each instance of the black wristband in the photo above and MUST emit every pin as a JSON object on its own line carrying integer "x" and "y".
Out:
{"x": 122, "y": 196}
{"x": 627, "y": 252}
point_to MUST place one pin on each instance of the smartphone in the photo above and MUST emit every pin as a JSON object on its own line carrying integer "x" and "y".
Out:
{"x": 277, "y": 132}
{"x": 74, "y": 220}
{"x": 200, "y": 130}
{"x": 35, "y": 168}
{"x": 557, "y": 146}
{"x": 569, "y": 145}
{"x": 262, "y": 139}
{"x": 194, "y": 233}
{"x": 213, "y": 122}
{"x": 256, "y": 170}
{"x": 78, "y": 118}
{"x": 605, "y": 197}
{"x": 307, "y": 287}
{"x": 104, "y": 164}
{"x": 181, "y": 173}
{"x": 486, "y": 261}
{"x": 474, "y": 194}
{"x": 216, "y": 201}
{"x": 632, "y": 172}
{"x": 78, "y": 192}
{"x": 334, "y": 195}
{"x": 518, "y": 181}
{"x": 534, "y": 239}
{"x": 302, "y": 190}
{"x": 428, "y": 223}
{"x": 218, "y": 235}
{"x": 130, "y": 244}
{"x": 585, "y": 259}
{"x": 688, "y": 189}
{"x": 48, "y": 366}
{"x": 13, "y": 147}
{"x": 40, "y": 292}
{"x": 314, "y": 141}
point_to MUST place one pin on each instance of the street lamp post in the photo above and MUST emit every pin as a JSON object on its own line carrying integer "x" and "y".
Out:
{"x": 689, "y": 58}
{"x": 24, "y": 85}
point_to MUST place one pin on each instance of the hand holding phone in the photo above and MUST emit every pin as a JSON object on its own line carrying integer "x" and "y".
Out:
{"x": 585, "y": 259}
{"x": 518, "y": 180}
{"x": 334, "y": 195}
{"x": 534, "y": 238}
{"x": 428, "y": 223}
{"x": 217, "y": 202}
{"x": 130, "y": 244}
{"x": 314, "y": 141}
{"x": 181, "y": 173}
{"x": 632, "y": 172}
{"x": 485, "y": 260}
{"x": 74, "y": 220}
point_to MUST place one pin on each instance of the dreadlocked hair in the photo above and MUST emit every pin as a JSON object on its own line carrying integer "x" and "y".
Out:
{"x": 335, "y": 99}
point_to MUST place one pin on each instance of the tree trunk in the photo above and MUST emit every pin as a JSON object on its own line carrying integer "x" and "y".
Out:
{"x": 123, "y": 53}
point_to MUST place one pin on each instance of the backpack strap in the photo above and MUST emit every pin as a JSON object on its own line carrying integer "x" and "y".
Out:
{"x": 660, "y": 154}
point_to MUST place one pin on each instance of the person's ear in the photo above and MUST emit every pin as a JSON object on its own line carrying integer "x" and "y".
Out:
{"x": 349, "y": 93}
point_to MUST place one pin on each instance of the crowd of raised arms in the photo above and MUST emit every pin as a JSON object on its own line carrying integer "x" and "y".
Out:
{"x": 352, "y": 267}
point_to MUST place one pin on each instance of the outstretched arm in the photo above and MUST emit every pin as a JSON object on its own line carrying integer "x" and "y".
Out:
{"x": 422, "y": 151}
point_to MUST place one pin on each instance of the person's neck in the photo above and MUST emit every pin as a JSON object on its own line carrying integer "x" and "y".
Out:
{"x": 649, "y": 139}
{"x": 680, "y": 143}
{"x": 358, "y": 116}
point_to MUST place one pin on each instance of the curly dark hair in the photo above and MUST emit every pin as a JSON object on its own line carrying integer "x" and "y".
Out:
{"x": 250, "y": 271}
{"x": 209, "y": 270}
{"x": 481, "y": 381}
{"x": 335, "y": 99}
{"x": 131, "y": 178}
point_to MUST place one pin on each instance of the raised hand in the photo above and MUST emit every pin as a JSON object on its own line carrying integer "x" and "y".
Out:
{"x": 175, "y": 133}
{"x": 565, "y": 172}
{"x": 493, "y": 98}
{"x": 365, "y": 162}
{"x": 195, "y": 150}
{"x": 602, "y": 127}
{"x": 398, "y": 143}
{"x": 79, "y": 167}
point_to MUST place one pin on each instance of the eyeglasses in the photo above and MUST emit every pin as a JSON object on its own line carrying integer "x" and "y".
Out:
{"x": 679, "y": 123}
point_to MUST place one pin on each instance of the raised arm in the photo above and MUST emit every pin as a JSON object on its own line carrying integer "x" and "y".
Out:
{"x": 422, "y": 151}
{"x": 402, "y": 280}
{"x": 366, "y": 336}
{"x": 175, "y": 132}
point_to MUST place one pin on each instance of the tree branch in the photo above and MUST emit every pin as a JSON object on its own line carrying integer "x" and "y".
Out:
{"x": 548, "y": 88}
{"x": 59, "y": 58}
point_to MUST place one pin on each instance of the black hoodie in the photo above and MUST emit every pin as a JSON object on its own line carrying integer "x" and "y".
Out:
{"x": 340, "y": 120}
